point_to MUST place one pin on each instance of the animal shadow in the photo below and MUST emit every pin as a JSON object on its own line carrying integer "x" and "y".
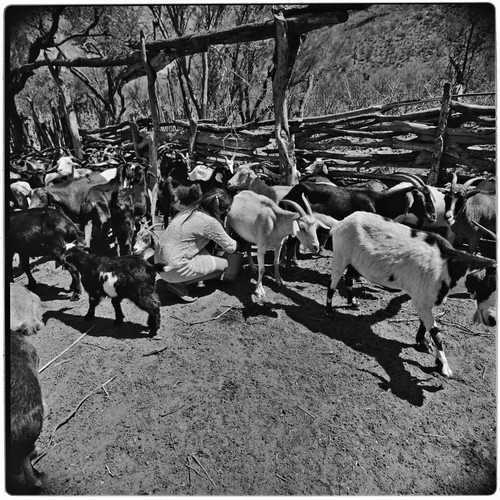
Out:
{"x": 356, "y": 332}
{"x": 100, "y": 327}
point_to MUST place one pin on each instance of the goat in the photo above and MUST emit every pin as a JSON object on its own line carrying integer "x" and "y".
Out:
{"x": 259, "y": 220}
{"x": 246, "y": 178}
{"x": 128, "y": 205}
{"x": 95, "y": 214}
{"x": 177, "y": 191}
{"x": 25, "y": 310}
{"x": 466, "y": 206}
{"x": 145, "y": 241}
{"x": 42, "y": 232}
{"x": 126, "y": 277}
{"x": 67, "y": 195}
{"x": 339, "y": 202}
{"x": 26, "y": 411}
{"x": 424, "y": 265}
{"x": 482, "y": 285}
{"x": 20, "y": 192}
{"x": 65, "y": 169}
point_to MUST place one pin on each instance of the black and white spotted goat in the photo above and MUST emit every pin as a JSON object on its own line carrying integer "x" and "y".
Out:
{"x": 387, "y": 253}
{"x": 126, "y": 277}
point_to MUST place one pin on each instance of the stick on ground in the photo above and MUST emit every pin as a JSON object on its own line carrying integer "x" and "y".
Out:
{"x": 65, "y": 350}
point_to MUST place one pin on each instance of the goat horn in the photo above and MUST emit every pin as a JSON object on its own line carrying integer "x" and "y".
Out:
{"x": 295, "y": 205}
{"x": 417, "y": 182}
{"x": 487, "y": 231}
{"x": 307, "y": 204}
{"x": 470, "y": 182}
{"x": 454, "y": 180}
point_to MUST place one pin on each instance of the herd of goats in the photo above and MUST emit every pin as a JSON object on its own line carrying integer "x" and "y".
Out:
{"x": 96, "y": 222}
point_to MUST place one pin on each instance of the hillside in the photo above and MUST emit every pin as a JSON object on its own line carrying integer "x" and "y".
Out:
{"x": 392, "y": 52}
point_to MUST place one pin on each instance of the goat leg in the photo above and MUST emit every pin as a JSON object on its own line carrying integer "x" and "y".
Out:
{"x": 259, "y": 289}
{"x": 422, "y": 344}
{"x": 25, "y": 264}
{"x": 277, "y": 276}
{"x": 93, "y": 302}
{"x": 441, "y": 361}
{"x": 116, "y": 301}
{"x": 151, "y": 304}
{"x": 349, "y": 279}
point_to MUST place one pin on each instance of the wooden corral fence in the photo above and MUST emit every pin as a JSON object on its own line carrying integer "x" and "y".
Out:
{"x": 369, "y": 137}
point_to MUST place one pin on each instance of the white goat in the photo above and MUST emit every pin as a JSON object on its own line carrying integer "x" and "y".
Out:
{"x": 423, "y": 265}
{"x": 246, "y": 178}
{"x": 66, "y": 168}
{"x": 259, "y": 220}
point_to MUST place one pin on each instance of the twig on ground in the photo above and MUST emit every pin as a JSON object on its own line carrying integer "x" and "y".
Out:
{"x": 484, "y": 372}
{"x": 44, "y": 453}
{"x": 458, "y": 325}
{"x": 95, "y": 345}
{"x": 204, "y": 320}
{"x": 173, "y": 411}
{"x": 203, "y": 468}
{"x": 156, "y": 351}
{"x": 281, "y": 477}
{"x": 65, "y": 350}
{"x": 306, "y": 411}
{"x": 109, "y": 472}
{"x": 72, "y": 414}
{"x": 403, "y": 320}
{"x": 62, "y": 362}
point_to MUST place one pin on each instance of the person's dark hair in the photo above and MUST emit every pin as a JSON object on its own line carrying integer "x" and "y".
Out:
{"x": 215, "y": 202}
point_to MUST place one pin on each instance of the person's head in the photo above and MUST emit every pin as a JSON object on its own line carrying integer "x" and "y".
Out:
{"x": 215, "y": 202}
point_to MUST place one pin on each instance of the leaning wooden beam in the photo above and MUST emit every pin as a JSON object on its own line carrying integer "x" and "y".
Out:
{"x": 162, "y": 52}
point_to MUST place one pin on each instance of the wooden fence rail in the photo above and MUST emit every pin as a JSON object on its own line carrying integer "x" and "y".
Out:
{"x": 366, "y": 136}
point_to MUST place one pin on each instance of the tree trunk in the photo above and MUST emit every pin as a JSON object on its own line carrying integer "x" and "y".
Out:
{"x": 204, "y": 95}
{"x": 435, "y": 171}
{"x": 16, "y": 129}
{"x": 154, "y": 143}
{"x": 69, "y": 111}
{"x": 286, "y": 49}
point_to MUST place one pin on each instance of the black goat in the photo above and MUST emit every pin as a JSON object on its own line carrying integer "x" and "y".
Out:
{"x": 95, "y": 214}
{"x": 339, "y": 202}
{"x": 128, "y": 277}
{"x": 26, "y": 415}
{"x": 42, "y": 232}
{"x": 128, "y": 206}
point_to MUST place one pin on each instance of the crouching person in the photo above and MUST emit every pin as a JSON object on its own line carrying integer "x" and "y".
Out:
{"x": 182, "y": 246}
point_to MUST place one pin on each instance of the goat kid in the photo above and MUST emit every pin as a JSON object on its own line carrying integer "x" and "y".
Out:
{"x": 387, "y": 253}
{"x": 127, "y": 277}
{"x": 482, "y": 285}
{"x": 257, "y": 219}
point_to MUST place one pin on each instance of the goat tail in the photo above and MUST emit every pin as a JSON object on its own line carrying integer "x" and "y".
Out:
{"x": 473, "y": 261}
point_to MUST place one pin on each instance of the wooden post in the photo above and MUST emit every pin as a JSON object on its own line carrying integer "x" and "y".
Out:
{"x": 435, "y": 171}
{"x": 69, "y": 111}
{"x": 285, "y": 52}
{"x": 154, "y": 142}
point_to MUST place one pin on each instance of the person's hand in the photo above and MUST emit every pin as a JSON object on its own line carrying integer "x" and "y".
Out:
{"x": 186, "y": 269}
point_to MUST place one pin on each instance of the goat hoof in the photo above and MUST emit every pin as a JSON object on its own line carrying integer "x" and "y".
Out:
{"x": 424, "y": 347}
{"x": 354, "y": 305}
{"x": 75, "y": 297}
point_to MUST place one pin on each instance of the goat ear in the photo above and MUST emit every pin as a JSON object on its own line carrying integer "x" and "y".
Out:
{"x": 410, "y": 199}
{"x": 295, "y": 227}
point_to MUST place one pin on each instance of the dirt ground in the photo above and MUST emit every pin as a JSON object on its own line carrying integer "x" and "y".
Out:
{"x": 270, "y": 398}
